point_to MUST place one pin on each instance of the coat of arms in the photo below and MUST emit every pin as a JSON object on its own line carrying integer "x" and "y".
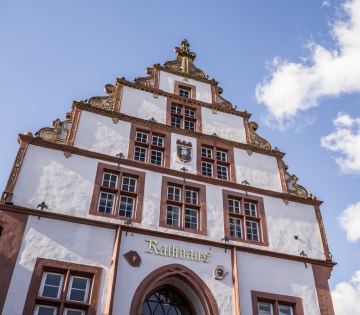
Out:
{"x": 184, "y": 150}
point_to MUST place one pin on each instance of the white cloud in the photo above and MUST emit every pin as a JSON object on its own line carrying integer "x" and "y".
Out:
{"x": 350, "y": 221}
{"x": 346, "y": 296}
{"x": 293, "y": 87}
{"x": 345, "y": 140}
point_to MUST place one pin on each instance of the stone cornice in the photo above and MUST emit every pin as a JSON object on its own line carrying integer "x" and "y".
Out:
{"x": 154, "y": 124}
{"x": 68, "y": 150}
{"x": 152, "y": 90}
{"x": 140, "y": 230}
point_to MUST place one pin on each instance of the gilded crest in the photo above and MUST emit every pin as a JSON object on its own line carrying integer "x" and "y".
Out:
{"x": 184, "y": 150}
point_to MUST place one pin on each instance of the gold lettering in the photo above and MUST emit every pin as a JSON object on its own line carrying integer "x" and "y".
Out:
{"x": 152, "y": 247}
{"x": 163, "y": 251}
{"x": 176, "y": 252}
{"x": 206, "y": 257}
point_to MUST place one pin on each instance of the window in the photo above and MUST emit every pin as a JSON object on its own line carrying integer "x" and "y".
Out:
{"x": 244, "y": 218}
{"x": 215, "y": 162}
{"x": 184, "y": 90}
{"x": 118, "y": 193}
{"x": 184, "y": 117}
{"x": 59, "y": 287}
{"x": 275, "y": 304}
{"x": 149, "y": 146}
{"x": 183, "y": 206}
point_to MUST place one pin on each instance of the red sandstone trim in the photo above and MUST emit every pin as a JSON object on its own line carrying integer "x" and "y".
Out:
{"x": 321, "y": 276}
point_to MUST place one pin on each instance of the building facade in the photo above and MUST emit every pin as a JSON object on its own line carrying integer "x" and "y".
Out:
{"x": 159, "y": 198}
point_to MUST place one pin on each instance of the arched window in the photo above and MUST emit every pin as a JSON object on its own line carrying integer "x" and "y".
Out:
{"x": 165, "y": 301}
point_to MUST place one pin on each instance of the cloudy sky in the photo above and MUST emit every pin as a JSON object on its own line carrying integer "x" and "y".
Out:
{"x": 295, "y": 65}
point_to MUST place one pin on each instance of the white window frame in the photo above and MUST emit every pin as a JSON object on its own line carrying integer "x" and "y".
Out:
{"x": 291, "y": 308}
{"x": 271, "y": 308}
{"x": 133, "y": 206}
{"x": 73, "y": 309}
{"x": 192, "y": 192}
{"x": 241, "y": 227}
{"x": 212, "y": 168}
{"x": 130, "y": 178}
{"x": 207, "y": 150}
{"x": 111, "y": 174}
{"x": 223, "y": 154}
{"x": 161, "y": 154}
{"x": 250, "y": 203}
{"x": 183, "y": 92}
{"x": 197, "y": 218}
{"x": 141, "y": 148}
{"x": 43, "y": 284}
{"x": 233, "y": 201}
{"x": 175, "y": 188}
{"x": 86, "y": 296}
{"x": 114, "y": 200}
{"x": 37, "y": 306}
{"x": 155, "y": 141}
{"x": 141, "y": 133}
{"x": 222, "y": 167}
{"x": 172, "y": 217}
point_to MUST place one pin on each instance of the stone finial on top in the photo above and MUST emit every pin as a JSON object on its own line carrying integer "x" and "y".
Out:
{"x": 184, "y": 61}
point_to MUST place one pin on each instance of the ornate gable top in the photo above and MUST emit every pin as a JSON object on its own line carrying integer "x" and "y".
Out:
{"x": 184, "y": 61}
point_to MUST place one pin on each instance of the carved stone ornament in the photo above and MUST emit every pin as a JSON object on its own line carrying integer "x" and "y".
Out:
{"x": 219, "y": 272}
{"x": 147, "y": 81}
{"x": 184, "y": 61}
{"x": 105, "y": 102}
{"x": 16, "y": 168}
{"x": 293, "y": 187}
{"x": 255, "y": 139}
{"x": 58, "y": 133}
{"x": 219, "y": 100}
{"x": 184, "y": 150}
{"x": 133, "y": 258}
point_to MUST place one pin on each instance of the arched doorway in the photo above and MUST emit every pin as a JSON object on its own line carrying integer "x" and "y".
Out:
{"x": 167, "y": 300}
{"x": 175, "y": 279}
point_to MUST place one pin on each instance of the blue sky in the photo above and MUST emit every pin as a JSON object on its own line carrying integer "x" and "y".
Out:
{"x": 55, "y": 52}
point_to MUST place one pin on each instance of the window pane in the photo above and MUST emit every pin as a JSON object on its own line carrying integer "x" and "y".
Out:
{"x": 106, "y": 203}
{"x": 221, "y": 155}
{"x": 158, "y": 141}
{"x": 141, "y": 136}
{"x": 222, "y": 172}
{"x": 72, "y": 311}
{"x": 176, "y": 122}
{"x": 140, "y": 154}
{"x": 285, "y": 310}
{"x": 207, "y": 169}
{"x": 234, "y": 205}
{"x": 189, "y": 125}
{"x": 252, "y": 230}
{"x": 176, "y": 109}
{"x": 174, "y": 193}
{"x": 250, "y": 208}
{"x": 191, "y": 219}
{"x": 184, "y": 92}
{"x": 109, "y": 180}
{"x": 235, "y": 227}
{"x": 51, "y": 285}
{"x": 156, "y": 157}
{"x": 78, "y": 289}
{"x": 189, "y": 113}
{"x": 206, "y": 152}
{"x": 45, "y": 310}
{"x": 191, "y": 196}
{"x": 172, "y": 215}
{"x": 128, "y": 184}
{"x": 126, "y": 207}
{"x": 265, "y": 308}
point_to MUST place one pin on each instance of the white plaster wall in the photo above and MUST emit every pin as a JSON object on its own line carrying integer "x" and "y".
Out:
{"x": 64, "y": 241}
{"x": 65, "y": 184}
{"x": 225, "y": 125}
{"x": 143, "y": 104}
{"x": 277, "y": 276}
{"x": 129, "y": 278}
{"x": 175, "y": 162}
{"x": 167, "y": 83}
{"x": 99, "y": 134}
{"x": 284, "y": 221}
{"x": 259, "y": 170}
